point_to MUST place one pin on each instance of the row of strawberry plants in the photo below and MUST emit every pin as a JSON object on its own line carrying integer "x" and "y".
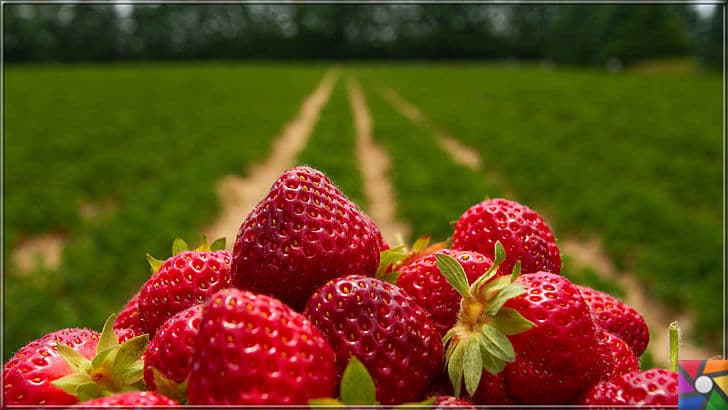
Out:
{"x": 224, "y": 128}
{"x": 626, "y": 158}
{"x": 332, "y": 146}
{"x": 456, "y": 186}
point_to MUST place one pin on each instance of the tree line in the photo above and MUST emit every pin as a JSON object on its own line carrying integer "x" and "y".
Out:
{"x": 570, "y": 34}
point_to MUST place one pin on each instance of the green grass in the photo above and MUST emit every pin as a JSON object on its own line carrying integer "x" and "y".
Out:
{"x": 634, "y": 159}
{"x": 432, "y": 189}
{"x": 332, "y": 146}
{"x": 151, "y": 139}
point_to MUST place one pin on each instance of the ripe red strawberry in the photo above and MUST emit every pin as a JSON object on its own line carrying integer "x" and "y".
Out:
{"x": 139, "y": 399}
{"x": 422, "y": 281}
{"x": 128, "y": 317}
{"x": 447, "y": 402}
{"x": 562, "y": 350}
{"x": 533, "y": 330}
{"x": 29, "y": 373}
{"x": 392, "y": 336}
{"x": 654, "y": 387}
{"x": 617, "y": 318}
{"x": 186, "y": 279}
{"x": 254, "y": 350}
{"x": 523, "y": 233}
{"x": 171, "y": 349}
{"x": 621, "y": 359}
{"x": 71, "y": 364}
{"x": 303, "y": 233}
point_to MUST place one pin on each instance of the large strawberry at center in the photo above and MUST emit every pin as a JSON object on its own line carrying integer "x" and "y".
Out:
{"x": 302, "y": 234}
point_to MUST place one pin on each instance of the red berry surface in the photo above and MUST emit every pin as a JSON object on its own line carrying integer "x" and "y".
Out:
{"x": 621, "y": 359}
{"x": 390, "y": 335}
{"x": 422, "y": 281}
{"x": 657, "y": 387}
{"x": 184, "y": 280}
{"x": 562, "y": 353}
{"x": 170, "y": 351}
{"x": 450, "y": 402}
{"x": 252, "y": 349}
{"x": 27, "y": 376}
{"x": 139, "y": 399}
{"x": 618, "y": 318}
{"x": 523, "y": 233}
{"x": 128, "y": 317}
{"x": 303, "y": 233}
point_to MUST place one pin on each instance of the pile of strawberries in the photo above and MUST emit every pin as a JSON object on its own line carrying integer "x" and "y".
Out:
{"x": 312, "y": 306}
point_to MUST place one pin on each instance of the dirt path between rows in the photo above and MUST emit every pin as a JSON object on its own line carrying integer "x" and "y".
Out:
{"x": 42, "y": 251}
{"x": 374, "y": 165}
{"x": 240, "y": 195}
{"x": 460, "y": 153}
{"x": 586, "y": 254}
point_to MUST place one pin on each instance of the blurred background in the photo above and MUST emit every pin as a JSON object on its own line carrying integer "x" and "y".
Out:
{"x": 121, "y": 121}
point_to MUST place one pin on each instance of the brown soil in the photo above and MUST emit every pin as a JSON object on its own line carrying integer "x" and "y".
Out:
{"x": 460, "y": 153}
{"x": 375, "y": 164}
{"x": 40, "y": 252}
{"x": 240, "y": 195}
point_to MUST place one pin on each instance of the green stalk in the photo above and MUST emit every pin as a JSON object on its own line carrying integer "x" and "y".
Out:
{"x": 674, "y": 335}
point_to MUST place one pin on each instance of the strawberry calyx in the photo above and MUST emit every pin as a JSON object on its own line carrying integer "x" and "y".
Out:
{"x": 395, "y": 258}
{"x": 116, "y": 368}
{"x": 170, "y": 388}
{"x": 357, "y": 389}
{"x": 479, "y": 338}
{"x": 179, "y": 245}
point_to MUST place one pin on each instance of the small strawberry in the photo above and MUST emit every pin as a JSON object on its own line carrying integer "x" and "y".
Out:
{"x": 71, "y": 364}
{"x": 28, "y": 374}
{"x": 169, "y": 353}
{"x": 254, "y": 350}
{"x": 617, "y": 318}
{"x": 622, "y": 359}
{"x": 139, "y": 399}
{"x": 449, "y": 402}
{"x": 422, "y": 281}
{"x": 534, "y": 328}
{"x": 128, "y": 317}
{"x": 656, "y": 387}
{"x": 303, "y": 233}
{"x": 186, "y": 279}
{"x": 375, "y": 322}
{"x": 523, "y": 233}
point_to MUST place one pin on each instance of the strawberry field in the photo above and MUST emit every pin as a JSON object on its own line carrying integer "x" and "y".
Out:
{"x": 632, "y": 160}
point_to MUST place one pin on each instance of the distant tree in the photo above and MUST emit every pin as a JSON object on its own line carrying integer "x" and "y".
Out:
{"x": 90, "y": 32}
{"x": 710, "y": 40}
{"x": 31, "y": 31}
{"x": 635, "y": 32}
{"x": 530, "y": 27}
{"x": 574, "y": 33}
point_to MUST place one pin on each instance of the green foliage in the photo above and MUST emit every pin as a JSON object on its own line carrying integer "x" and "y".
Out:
{"x": 711, "y": 37}
{"x": 153, "y": 141}
{"x": 431, "y": 189}
{"x": 626, "y": 158}
{"x": 332, "y": 146}
{"x": 584, "y": 34}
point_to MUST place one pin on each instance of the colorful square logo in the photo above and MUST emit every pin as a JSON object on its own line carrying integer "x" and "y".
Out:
{"x": 702, "y": 384}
